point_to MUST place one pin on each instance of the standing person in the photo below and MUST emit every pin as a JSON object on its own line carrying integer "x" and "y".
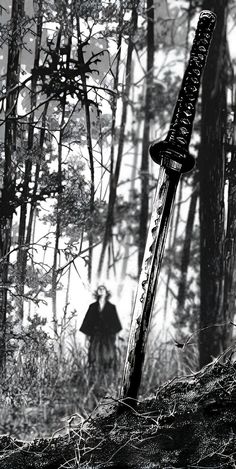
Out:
{"x": 101, "y": 324}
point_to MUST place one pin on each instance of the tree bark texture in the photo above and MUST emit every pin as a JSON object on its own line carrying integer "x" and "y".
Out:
{"x": 185, "y": 258}
{"x": 172, "y": 242}
{"x": 211, "y": 166}
{"x": 7, "y": 202}
{"x": 188, "y": 423}
{"x": 22, "y": 248}
{"x": 33, "y": 201}
{"x": 229, "y": 308}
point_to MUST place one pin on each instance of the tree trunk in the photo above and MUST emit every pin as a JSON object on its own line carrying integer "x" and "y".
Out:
{"x": 128, "y": 239}
{"x": 114, "y": 99}
{"x": 22, "y": 247}
{"x": 8, "y": 191}
{"x": 173, "y": 233}
{"x": 115, "y": 176}
{"x": 172, "y": 242}
{"x": 230, "y": 247}
{"x": 89, "y": 145}
{"x": 33, "y": 202}
{"x": 146, "y": 131}
{"x": 211, "y": 166}
{"x": 185, "y": 258}
{"x": 59, "y": 196}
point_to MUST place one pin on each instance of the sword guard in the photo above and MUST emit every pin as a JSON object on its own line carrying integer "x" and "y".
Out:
{"x": 172, "y": 156}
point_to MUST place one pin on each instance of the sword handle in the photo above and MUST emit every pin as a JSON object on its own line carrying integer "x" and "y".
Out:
{"x": 174, "y": 158}
{"x": 174, "y": 149}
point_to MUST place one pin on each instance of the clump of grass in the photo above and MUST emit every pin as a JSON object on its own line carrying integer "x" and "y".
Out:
{"x": 45, "y": 384}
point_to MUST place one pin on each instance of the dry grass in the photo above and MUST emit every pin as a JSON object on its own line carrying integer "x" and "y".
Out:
{"x": 43, "y": 387}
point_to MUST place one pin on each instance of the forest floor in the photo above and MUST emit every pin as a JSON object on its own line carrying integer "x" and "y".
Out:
{"x": 188, "y": 423}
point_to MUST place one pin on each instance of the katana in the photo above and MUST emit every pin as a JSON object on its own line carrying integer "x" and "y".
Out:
{"x": 174, "y": 158}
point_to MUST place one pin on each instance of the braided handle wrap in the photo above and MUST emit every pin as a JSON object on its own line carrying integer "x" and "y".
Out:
{"x": 174, "y": 149}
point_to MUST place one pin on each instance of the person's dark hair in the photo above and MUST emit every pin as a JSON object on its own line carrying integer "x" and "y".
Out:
{"x": 96, "y": 295}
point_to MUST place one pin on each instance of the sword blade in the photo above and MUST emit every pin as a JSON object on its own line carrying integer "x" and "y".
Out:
{"x": 145, "y": 297}
{"x": 173, "y": 156}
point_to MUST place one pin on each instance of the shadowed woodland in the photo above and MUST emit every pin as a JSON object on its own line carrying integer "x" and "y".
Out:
{"x": 85, "y": 87}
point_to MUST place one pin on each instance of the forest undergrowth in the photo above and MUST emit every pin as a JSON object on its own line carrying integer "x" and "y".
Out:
{"x": 48, "y": 381}
{"x": 186, "y": 423}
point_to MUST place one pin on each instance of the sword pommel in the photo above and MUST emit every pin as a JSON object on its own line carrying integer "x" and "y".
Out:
{"x": 173, "y": 151}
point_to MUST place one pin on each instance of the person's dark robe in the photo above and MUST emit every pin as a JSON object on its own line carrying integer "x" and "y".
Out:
{"x": 101, "y": 326}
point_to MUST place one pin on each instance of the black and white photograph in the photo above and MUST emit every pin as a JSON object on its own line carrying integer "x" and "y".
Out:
{"x": 117, "y": 234}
